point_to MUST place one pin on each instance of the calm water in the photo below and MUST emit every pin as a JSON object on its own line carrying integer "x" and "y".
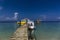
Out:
{"x": 6, "y": 30}
{"x": 44, "y": 31}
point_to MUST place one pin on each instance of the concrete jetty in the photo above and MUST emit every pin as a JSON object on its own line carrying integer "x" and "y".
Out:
{"x": 21, "y": 33}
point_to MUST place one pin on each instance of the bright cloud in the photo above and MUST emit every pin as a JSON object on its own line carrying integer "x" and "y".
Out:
{"x": 15, "y": 15}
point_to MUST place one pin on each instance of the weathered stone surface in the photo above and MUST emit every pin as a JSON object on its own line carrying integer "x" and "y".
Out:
{"x": 21, "y": 33}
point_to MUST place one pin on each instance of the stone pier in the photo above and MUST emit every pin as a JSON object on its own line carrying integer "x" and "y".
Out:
{"x": 21, "y": 33}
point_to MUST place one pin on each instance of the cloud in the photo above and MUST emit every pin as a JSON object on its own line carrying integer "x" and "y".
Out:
{"x": 5, "y": 18}
{"x": 43, "y": 16}
{"x": 15, "y": 15}
{"x": 1, "y": 7}
{"x": 58, "y": 17}
{"x": 8, "y": 18}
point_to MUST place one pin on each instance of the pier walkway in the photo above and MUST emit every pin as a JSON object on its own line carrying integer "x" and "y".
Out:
{"x": 20, "y": 34}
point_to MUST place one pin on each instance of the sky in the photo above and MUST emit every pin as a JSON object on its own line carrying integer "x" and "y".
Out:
{"x": 48, "y": 10}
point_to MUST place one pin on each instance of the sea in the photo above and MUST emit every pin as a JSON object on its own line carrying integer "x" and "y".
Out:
{"x": 43, "y": 31}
